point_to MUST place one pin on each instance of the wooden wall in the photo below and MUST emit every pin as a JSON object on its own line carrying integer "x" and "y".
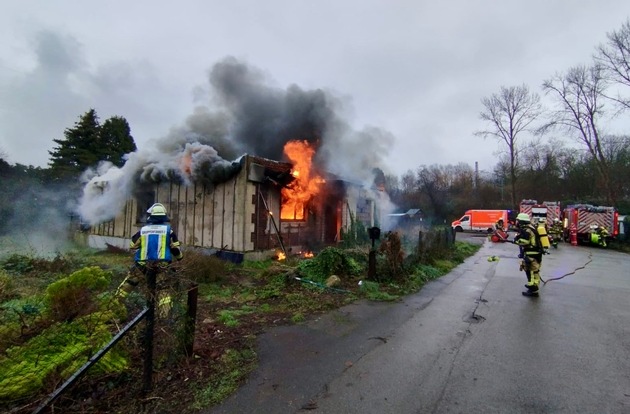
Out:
{"x": 234, "y": 215}
{"x": 211, "y": 216}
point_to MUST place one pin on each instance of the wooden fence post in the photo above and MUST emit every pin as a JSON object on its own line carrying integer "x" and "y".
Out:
{"x": 190, "y": 322}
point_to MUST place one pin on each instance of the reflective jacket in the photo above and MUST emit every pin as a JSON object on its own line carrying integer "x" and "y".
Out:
{"x": 527, "y": 238}
{"x": 156, "y": 243}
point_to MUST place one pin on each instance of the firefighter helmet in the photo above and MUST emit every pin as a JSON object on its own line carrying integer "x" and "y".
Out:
{"x": 523, "y": 217}
{"x": 157, "y": 209}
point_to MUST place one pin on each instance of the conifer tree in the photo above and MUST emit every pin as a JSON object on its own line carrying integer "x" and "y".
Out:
{"x": 116, "y": 139}
{"x": 88, "y": 143}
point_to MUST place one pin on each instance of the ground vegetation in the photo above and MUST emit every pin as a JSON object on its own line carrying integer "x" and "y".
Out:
{"x": 51, "y": 306}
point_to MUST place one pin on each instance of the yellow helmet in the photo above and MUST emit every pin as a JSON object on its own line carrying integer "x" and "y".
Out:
{"x": 157, "y": 209}
{"x": 524, "y": 217}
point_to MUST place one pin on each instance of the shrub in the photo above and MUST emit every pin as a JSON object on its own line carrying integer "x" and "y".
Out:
{"x": 356, "y": 235}
{"x": 392, "y": 256}
{"x": 330, "y": 261}
{"x": 76, "y": 294}
{"x": 24, "y": 264}
{"x": 200, "y": 267}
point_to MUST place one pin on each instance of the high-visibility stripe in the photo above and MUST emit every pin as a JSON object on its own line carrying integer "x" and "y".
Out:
{"x": 164, "y": 250}
{"x": 154, "y": 243}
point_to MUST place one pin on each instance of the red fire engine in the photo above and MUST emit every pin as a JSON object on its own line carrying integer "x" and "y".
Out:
{"x": 547, "y": 210}
{"x": 583, "y": 219}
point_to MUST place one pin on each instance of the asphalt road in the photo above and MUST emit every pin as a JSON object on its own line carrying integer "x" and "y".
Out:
{"x": 467, "y": 343}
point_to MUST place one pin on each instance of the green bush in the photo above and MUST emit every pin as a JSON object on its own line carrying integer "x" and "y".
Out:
{"x": 391, "y": 258}
{"x": 330, "y": 261}
{"x": 76, "y": 295}
{"x": 25, "y": 264}
{"x": 356, "y": 235}
{"x": 201, "y": 268}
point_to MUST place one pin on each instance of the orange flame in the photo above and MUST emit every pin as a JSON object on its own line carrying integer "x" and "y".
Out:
{"x": 185, "y": 164}
{"x": 305, "y": 186}
{"x": 308, "y": 254}
{"x": 281, "y": 256}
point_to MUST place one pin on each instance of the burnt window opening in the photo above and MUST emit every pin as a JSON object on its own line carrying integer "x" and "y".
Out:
{"x": 292, "y": 210}
{"x": 144, "y": 200}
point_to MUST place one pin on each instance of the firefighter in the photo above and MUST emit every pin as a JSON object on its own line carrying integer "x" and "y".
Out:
{"x": 499, "y": 234}
{"x": 598, "y": 235}
{"x": 555, "y": 231}
{"x": 155, "y": 244}
{"x": 556, "y": 226}
{"x": 531, "y": 253}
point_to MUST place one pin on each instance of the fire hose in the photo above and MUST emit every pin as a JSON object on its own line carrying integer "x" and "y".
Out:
{"x": 321, "y": 285}
{"x": 590, "y": 259}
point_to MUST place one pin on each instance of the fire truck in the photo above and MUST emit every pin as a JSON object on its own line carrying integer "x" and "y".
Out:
{"x": 584, "y": 218}
{"x": 546, "y": 211}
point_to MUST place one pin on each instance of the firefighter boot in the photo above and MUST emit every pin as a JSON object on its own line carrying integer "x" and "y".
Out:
{"x": 127, "y": 285}
{"x": 532, "y": 285}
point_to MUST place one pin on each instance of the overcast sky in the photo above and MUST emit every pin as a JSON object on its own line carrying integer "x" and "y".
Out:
{"x": 417, "y": 69}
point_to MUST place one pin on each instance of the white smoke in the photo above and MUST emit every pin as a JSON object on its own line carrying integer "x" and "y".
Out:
{"x": 107, "y": 188}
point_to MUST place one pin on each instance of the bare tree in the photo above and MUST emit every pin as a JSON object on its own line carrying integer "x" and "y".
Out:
{"x": 509, "y": 113}
{"x": 409, "y": 196}
{"x": 579, "y": 112}
{"x": 614, "y": 57}
{"x": 617, "y": 151}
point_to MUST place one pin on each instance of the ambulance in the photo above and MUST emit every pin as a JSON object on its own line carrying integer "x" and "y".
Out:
{"x": 480, "y": 220}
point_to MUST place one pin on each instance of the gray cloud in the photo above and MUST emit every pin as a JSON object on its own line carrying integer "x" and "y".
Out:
{"x": 40, "y": 103}
{"x": 417, "y": 70}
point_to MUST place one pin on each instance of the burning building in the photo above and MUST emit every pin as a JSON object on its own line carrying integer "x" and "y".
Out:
{"x": 280, "y": 195}
{"x": 262, "y": 207}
